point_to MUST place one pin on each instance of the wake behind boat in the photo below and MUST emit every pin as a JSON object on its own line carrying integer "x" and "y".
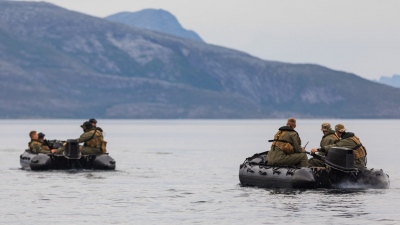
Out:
{"x": 339, "y": 173}
{"x": 71, "y": 158}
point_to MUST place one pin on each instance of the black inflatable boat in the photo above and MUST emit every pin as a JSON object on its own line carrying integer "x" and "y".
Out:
{"x": 339, "y": 173}
{"x": 70, "y": 159}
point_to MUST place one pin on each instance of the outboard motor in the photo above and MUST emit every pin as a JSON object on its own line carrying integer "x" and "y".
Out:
{"x": 341, "y": 159}
{"x": 72, "y": 149}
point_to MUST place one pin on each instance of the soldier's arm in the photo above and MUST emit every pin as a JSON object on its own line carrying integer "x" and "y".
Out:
{"x": 85, "y": 137}
{"x": 326, "y": 148}
{"x": 347, "y": 143}
{"x": 45, "y": 149}
{"x": 296, "y": 143}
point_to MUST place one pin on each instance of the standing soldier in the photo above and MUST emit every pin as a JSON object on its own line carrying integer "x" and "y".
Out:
{"x": 348, "y": 140}
{"x": 329, "y": 138}
{"x": 286, "y": 147}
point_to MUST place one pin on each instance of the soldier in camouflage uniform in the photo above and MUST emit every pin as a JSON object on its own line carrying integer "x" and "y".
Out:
{"x": 348, "y": 140}
{"x": 44, "y": 145}
{"x": 286, "y": 147}
{"x": 92, "y": 138}
{"x": 35, "y": 145}
{"x": 329, "y": 138}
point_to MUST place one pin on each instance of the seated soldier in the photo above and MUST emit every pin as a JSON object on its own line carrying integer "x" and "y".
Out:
{"x": 92, "y": 138}
{"x": 286, "y": 147}
{"x": 328, "y": 138}
{"x": 41, "y": 139}
{"x": 36, "y": 145}
{"x": 347, "y": 140}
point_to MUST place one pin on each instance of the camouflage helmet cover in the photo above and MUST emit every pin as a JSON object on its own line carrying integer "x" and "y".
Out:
{"x": 340, "y": 128}
{"x": 326, "y": 127}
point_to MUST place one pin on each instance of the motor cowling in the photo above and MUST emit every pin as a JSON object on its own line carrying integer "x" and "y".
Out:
{"x": 341, "y": 158}
{"x": 72, "y": 149}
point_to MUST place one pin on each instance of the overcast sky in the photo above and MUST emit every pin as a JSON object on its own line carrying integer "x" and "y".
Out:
{"x": 357, "y": 36}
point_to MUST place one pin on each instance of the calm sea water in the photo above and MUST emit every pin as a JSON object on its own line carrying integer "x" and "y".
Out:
{"x": 186, "y": 172}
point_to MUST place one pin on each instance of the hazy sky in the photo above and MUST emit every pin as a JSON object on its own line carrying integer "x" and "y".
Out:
{"x": 357, "y": 36}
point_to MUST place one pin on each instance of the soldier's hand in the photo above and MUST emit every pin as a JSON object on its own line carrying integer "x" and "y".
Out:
{"x": 53, "y": 151}
{"x": 303, "y": 149}
{"x": 314, "y": 150}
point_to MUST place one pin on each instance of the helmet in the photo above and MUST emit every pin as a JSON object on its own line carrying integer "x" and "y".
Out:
{"x": 340, "y": 128}
{"x": 93, "y": 120}
{"x": 86, "y": 125}
{"x": 326, "y": 127}
{"x": 41, "y": 135}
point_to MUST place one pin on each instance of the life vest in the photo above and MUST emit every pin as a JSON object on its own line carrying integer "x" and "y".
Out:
{"x": 283, "y": 145}
{"x": 359, "y": 150}
{"x": 97, "y": 141}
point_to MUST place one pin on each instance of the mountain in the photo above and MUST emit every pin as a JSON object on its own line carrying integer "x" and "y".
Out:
{"x": 56, "y": 63}
{"x": 393, "y": 81}
{"x": 155, "y": 20}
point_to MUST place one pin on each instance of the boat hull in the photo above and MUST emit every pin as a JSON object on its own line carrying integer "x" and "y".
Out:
{"x": 277, "y": 178}
{"x": 255, "y": 171}
{"x": 33, "y": 161}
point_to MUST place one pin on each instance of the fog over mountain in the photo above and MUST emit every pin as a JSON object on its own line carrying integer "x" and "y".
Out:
{"x": 56, "y": 63}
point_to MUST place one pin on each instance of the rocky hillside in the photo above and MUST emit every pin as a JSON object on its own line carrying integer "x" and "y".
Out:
{"x": 155, "y": 20}
{"x": 56, "y": 63}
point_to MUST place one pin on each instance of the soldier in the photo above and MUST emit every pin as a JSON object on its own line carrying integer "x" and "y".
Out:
{"x": 37, "y": 146}
{"x": 328, "y": 138}
{"x": 44, "y": 145}
{"x": 286, "y": 147}
{"x": 93, "y": 121}
{"x": 347, "y": 140}
{"x": 92, "y": 137}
